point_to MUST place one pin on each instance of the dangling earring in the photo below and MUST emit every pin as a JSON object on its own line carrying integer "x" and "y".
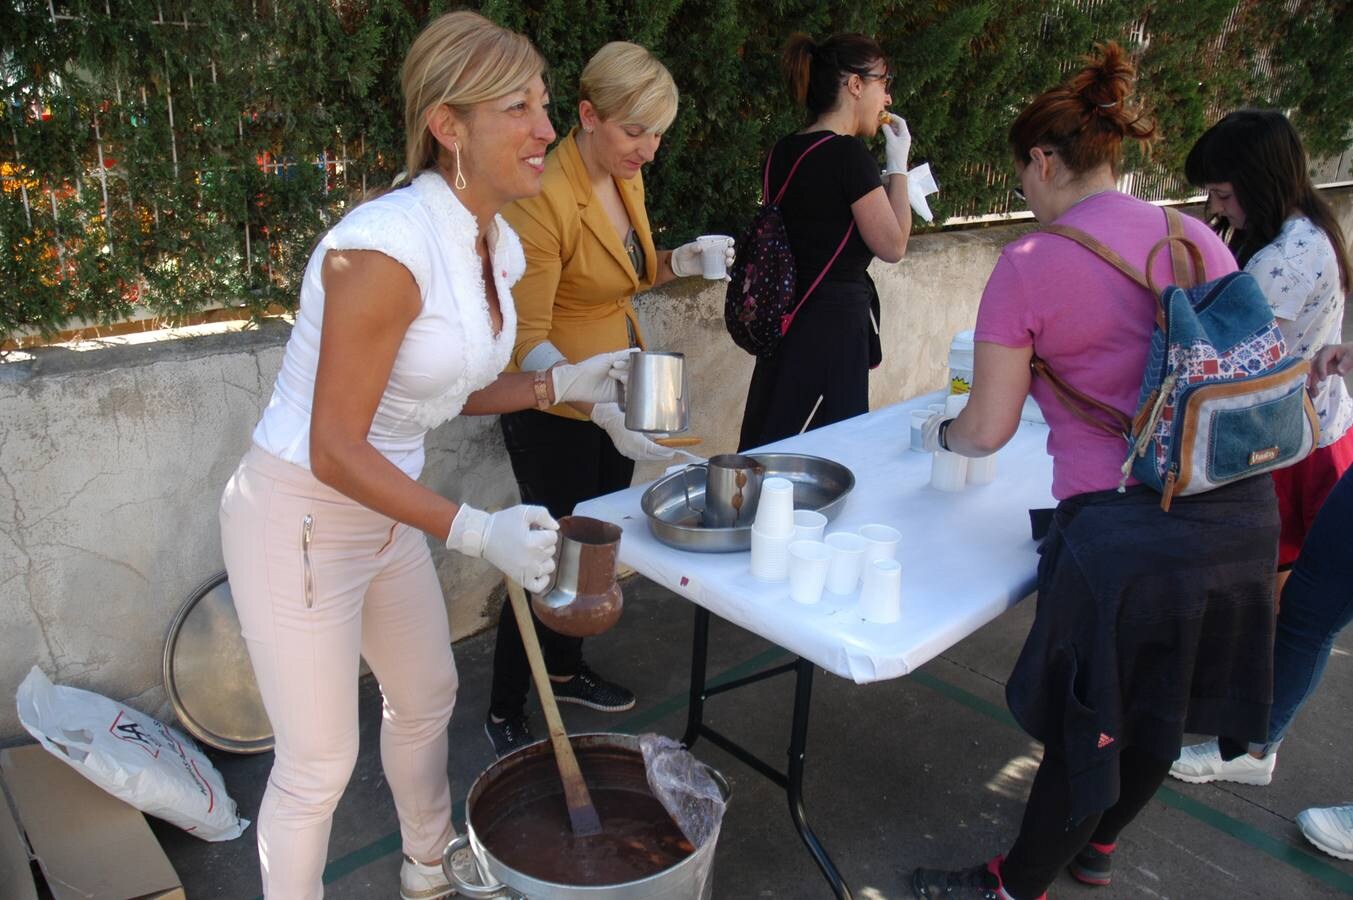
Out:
{"x": 460, "y": 176}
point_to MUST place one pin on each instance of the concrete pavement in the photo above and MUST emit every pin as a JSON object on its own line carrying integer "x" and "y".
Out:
{"x": 924, "y": 770}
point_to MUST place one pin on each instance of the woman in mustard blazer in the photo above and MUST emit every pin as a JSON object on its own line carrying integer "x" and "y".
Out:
{"x": 589, "y": 250}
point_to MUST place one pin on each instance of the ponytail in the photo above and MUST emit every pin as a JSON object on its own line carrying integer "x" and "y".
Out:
{"x": 797, "y": 62}
{"x": 816, "y": 72}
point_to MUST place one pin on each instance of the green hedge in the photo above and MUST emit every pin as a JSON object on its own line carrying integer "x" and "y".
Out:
{"x": 192, "y": 217}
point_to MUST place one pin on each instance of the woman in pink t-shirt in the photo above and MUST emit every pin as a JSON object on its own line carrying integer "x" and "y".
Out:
{"x": 1149, "y": 623}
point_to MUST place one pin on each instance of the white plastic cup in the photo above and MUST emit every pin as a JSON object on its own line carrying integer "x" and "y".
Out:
{"x": 808, "y": 564}
{"x": 881, "y": 542}
{"x": 770, "y": 555}
{"x": 954, "y": 403}
{"x": 982, "y": 469}
{"x": 936, "y": 407}
{"x": 918, "y": 419}
{"x": 881, "y": 595}
{"x": 948, "y": 471}
{"x": 809, "y": 525}
{"x": 775, "y": 509}
{"x": 714, "y": 255}
{"x": 843, "y": 574}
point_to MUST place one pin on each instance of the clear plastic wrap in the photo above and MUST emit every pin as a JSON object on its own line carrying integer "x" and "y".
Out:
{"x": 686, "y": 787}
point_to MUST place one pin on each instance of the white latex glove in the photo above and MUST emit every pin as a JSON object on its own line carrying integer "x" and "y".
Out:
{"x": 519, "y": 541}
{"x": 896, "y": 145}
{"x": 930, "y": 431}
{"x": 631, "y": 444}
{"x": 686, "y": 259}
{"x": 596, "y": 379}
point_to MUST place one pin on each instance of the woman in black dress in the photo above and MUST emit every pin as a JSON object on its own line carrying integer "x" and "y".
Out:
{"x": 839, "y": 215}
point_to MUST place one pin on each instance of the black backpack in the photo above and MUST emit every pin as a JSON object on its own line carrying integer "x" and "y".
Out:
{"x": 759, "y": 304}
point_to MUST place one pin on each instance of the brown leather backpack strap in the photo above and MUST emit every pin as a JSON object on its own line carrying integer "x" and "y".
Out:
{"x": 1100, "y": 249}
{"x": 1195, "y": 256}
{"x": 1112, "y": 257}
{"x": 1174, "y": 227}
{"x": 1079, "y": 403}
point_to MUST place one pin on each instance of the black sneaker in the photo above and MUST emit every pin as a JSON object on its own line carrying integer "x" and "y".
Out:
{"x": 1092, "y": 866}
{"x": 587, "y": 688}
{"x": 976, "y": 883}
{"x": 510, "y": 734}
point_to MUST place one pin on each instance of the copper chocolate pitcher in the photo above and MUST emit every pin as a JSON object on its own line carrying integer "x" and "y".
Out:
{"x": 584, "y": 599}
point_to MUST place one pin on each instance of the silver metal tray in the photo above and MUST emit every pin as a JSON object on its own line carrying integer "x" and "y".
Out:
{"x": 207, "y": 673}
{"x": 819, "y": 484}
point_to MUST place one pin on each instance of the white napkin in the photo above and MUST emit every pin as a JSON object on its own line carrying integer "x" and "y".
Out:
{"x": 921, "y": 184}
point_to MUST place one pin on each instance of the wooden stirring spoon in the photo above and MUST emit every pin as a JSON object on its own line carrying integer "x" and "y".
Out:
{"x": 582, "y": 814}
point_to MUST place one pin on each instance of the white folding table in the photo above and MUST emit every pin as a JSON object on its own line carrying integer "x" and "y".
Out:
{"x": 966, "y": 558}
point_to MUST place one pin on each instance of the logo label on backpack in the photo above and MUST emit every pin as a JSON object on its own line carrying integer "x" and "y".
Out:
{"x": 1259, "y": 457}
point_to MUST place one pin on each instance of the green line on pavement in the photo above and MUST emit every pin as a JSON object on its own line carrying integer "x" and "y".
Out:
{"x": 972, "y": 701}
{"x": 1286, "y": 853}
{"x": 1293, "y": 856}
{"x": 1247, "y": 834}
{"x": 390, "y": 843}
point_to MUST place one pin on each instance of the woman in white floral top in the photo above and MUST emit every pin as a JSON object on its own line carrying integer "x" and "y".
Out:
{"x": 1253, "y": 166}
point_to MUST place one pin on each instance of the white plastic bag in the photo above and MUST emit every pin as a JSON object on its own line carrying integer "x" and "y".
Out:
{"x": 135, "y": 758}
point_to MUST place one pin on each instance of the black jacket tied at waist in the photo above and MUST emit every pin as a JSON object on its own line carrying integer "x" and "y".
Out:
{"x": 1149, "y": 625}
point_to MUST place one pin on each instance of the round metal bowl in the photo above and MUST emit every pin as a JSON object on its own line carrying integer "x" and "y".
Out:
{"x": 820, "y": 484}
{"x": 207, "y": 673}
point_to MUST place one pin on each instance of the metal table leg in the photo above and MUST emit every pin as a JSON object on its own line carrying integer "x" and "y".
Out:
{"x": 798, "y": 741}
{"x": 695, "y": 711}
{"x": 798, "y": 738}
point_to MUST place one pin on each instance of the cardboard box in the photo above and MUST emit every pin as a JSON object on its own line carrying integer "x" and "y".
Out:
{"x": 86, "y": 842}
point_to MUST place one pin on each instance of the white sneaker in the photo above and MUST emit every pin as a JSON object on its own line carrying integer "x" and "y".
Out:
{"x": 1330, "y": 828}
{"x": 1202, "y": 763}
{"x": 420, "y": 882}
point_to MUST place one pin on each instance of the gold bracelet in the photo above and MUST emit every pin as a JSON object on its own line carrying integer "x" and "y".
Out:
{"x": 540, "y": 385}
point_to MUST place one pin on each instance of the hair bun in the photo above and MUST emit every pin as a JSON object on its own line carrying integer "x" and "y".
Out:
{"x": 1106, "y": 81}
{"x": 1088, "y": 116}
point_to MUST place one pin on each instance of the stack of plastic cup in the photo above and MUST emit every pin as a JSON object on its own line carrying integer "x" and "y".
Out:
{"x": 881, "y": 596}
{"x": 881, "y": 542}
{"x": 918, "y": 419}
{"x": 843, "y": 574}
{"x": 773, "y": 530}
{"x": 982, "y": 469}
{"x": 948, "y": 471}
{"x": 809, "y": 525}
{"x": 808, "y": 562}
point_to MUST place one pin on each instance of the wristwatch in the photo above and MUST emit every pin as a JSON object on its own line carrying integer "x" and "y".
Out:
{"x": 540, "y": 384}
{"x": 941, "y": 437}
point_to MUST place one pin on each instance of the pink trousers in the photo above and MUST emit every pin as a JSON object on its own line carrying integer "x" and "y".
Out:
{"x": 320, "y": 580}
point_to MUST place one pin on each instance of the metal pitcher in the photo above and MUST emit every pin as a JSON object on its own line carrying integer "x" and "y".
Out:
{"x": 584, "y": 599}
{"x": 654, "y": 399}
{"x": 732, "y": 490}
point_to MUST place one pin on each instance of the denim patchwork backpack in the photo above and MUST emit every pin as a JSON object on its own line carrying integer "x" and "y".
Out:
{"x": 1220, "y": 401}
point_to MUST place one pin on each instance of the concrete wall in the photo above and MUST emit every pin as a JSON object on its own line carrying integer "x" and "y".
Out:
{"x": 112, "y": 463}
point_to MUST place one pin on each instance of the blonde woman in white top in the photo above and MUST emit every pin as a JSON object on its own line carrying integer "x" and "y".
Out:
{"x": 405, "y": 321}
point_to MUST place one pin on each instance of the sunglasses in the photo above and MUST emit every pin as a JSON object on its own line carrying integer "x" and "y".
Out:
{"x": 887, "y": 78}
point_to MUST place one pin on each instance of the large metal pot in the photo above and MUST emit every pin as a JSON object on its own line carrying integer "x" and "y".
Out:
{"x": 606, "y": 761}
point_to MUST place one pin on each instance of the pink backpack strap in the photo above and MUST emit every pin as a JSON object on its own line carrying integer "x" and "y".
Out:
{"x": 787, "y": 320}
{"x": 765, "y": 182}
